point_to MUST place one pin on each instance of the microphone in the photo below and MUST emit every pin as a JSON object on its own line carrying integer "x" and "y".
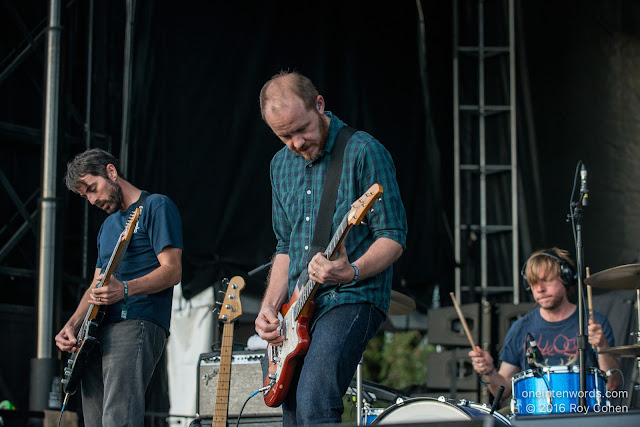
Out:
{"x": 534, "y": 356}
{"x": 584, "y": 191}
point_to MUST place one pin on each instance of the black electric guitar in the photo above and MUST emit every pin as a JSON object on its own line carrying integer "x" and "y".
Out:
{"x": 231, "y": 309}
{"x": 86, "y": 338}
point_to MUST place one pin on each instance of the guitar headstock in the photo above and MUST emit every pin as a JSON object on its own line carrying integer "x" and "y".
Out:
{"x": 360, "y": 207}
{"x": 131, "y": 225}
{"x": 231, "y": 307}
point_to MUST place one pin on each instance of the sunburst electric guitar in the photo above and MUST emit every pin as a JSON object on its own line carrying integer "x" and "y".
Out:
{"x": 231, "y": 309}
{"x": 86, "y": 338}
{"x": 296, "y": 313}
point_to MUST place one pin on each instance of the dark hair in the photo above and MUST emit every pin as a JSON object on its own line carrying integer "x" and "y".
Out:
{"x": 91, "y": 162}
{"x": 298, "y": 84}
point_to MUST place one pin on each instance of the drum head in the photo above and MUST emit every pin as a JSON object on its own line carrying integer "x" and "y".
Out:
{"x": 420, "y": 409}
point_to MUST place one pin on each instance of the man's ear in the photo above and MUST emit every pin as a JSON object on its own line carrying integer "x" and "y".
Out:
{"x": 112, "y": 173}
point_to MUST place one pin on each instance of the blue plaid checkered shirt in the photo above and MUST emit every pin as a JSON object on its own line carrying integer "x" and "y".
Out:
{"x": 297, "y": 186}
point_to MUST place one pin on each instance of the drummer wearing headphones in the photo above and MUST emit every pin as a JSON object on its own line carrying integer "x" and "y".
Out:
{"x": 546, "y": 336}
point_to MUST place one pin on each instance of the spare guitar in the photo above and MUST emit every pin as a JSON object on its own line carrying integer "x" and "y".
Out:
{"x": 231, "y": 309}
{"x": 86, "y": 338}
{"x": 296, "y": 313}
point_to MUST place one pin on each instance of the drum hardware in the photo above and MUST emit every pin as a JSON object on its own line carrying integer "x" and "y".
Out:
{"x": 399, "y": 304}
{"x": 419, "y": 409}
{"x": 496, "y": 400}
{"x": 622, "y": 277}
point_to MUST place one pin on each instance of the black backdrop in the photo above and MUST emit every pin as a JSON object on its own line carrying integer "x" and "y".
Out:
{"x": 196, "y": 134}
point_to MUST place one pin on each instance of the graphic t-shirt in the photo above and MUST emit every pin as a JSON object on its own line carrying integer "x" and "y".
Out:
{"x": 557, "y": 341}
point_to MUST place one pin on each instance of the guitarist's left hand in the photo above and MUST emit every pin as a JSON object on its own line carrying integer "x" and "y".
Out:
{"x": 109, "y": 293}
{"x": 321, "y": 270}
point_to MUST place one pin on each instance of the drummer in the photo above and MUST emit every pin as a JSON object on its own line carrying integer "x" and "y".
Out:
{"x": 550, "y": 274}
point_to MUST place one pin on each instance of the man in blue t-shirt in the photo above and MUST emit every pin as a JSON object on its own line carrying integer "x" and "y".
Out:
{"x": 553, "y": 326}
{"x": 136, "y": 299}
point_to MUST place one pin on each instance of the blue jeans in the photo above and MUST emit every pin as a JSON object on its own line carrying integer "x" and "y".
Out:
{"x": 117, "y": 374}
{"x": 339, "y": 338}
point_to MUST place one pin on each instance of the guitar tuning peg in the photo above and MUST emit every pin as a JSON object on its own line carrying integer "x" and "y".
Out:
{"x": 225, "y": 281}
{"x": 216, "y": 309}
{"x": 222, "y": 292}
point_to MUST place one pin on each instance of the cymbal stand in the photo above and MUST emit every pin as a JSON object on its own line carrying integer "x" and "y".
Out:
{"x": 636, "y": 380}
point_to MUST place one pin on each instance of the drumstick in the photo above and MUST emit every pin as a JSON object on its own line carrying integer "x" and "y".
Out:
{"x": 590, "y": 303}
{"x": 462, "y": 319}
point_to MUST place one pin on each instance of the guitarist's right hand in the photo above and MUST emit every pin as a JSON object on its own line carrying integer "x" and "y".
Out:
{"x": 267, "y": 325}
{"x": 66, "y": 340}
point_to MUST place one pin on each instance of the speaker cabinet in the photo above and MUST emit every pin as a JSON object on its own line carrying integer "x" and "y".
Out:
{"x": 445, "y": 327}
{"x": 451, "y": 370}
{"x": 507, "y": 315}
{"x": 246, "y": 378}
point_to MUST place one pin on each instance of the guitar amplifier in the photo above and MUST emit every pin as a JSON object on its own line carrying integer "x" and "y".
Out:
{"x": 246, "y": 378}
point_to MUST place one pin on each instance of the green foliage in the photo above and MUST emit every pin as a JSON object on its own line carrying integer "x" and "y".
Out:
{"x": 393, "y": 359}
{"x": 397, "y": 359}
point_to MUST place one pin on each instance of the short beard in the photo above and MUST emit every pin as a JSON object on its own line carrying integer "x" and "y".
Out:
{"x": 555, "y": 304}
{"x": 116, "y": 198}
{"x": 323, "y": 128}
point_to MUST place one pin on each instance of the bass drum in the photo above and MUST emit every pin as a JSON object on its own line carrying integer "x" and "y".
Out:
{"x": 427, "y": 409}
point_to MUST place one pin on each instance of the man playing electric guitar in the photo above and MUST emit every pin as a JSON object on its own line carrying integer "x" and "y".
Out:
{"x": 353, "y": 298}
{"x": 136, "y": 300}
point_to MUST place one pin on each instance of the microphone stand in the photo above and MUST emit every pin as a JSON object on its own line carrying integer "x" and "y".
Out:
{"x": 581, "y": 339}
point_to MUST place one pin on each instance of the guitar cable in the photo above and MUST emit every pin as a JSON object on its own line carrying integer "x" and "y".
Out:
{"x": 64, "y": 406}
{"x": 246, "y": 401}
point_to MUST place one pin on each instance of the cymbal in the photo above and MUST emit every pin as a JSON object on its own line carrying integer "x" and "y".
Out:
{"x": 400, "y": 304}
{"x": 632, "y": 350}
{"x": 622, "y": 277}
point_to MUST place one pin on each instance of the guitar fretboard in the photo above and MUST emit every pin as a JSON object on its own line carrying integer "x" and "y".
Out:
{"x": 224, "y": 377}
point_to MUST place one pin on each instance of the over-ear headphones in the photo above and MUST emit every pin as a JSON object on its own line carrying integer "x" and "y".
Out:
{"x": 567, "y": 272}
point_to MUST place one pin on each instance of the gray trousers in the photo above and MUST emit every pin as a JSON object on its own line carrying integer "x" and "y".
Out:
{"x": 118, "y": 373}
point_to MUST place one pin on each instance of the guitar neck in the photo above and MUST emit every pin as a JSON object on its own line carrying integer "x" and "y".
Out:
{"x": 310, "y": 288}
{"x": 224, "y": 378}
{"x": 112, "y": 267}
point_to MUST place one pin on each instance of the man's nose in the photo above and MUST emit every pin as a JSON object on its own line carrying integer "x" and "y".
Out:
{"x": 298, "y": 141}
{"x": 92, "y": 199}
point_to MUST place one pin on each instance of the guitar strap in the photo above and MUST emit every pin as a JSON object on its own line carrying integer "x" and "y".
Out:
{"x": 140, "y": 204}
{"x": 322, "y": 230}
{"x": 141, "y": 200}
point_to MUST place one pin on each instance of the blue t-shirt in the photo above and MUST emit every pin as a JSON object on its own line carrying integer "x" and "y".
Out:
{"x": 557, "y": 341}
{"x": 159, "y": 226}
